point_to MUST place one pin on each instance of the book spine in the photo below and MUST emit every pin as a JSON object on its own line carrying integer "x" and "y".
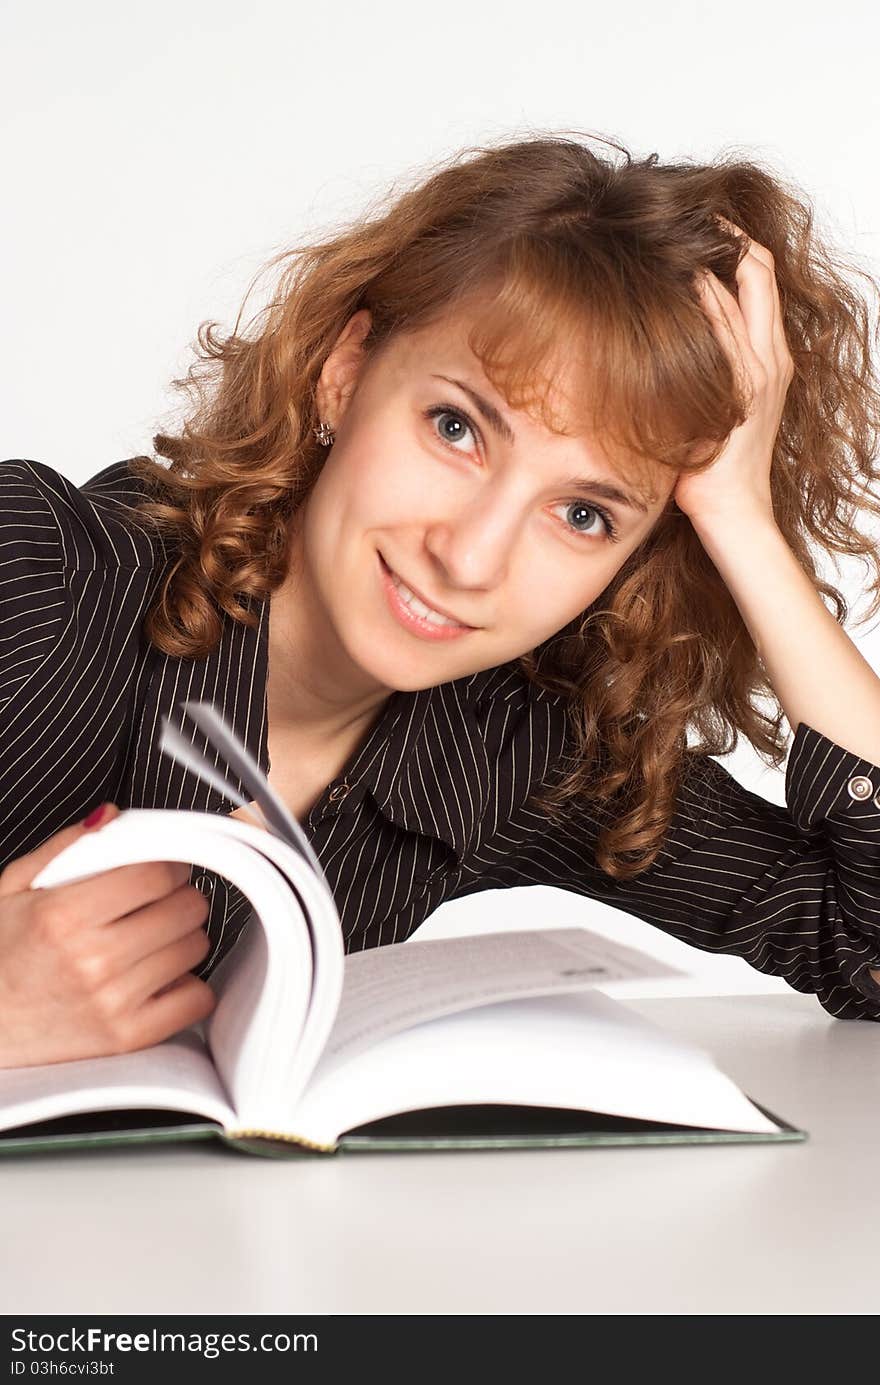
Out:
{"x": 295, "y": 1143}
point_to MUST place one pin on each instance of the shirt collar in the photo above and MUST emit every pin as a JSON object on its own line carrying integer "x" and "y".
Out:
{"x": 424, "y": 762}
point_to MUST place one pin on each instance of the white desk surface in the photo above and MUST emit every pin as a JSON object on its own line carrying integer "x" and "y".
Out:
{"x": 740, "y": 1229}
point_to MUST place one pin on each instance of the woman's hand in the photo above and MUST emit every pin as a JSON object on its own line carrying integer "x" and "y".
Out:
{"x": 101, "y": 965}
{"x": 751, "y": 334}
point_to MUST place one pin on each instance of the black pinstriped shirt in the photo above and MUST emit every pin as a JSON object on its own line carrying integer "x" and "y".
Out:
{"x": 432, "y": 805}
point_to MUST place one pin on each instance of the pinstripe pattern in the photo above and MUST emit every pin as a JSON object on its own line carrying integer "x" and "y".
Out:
{"x": 437, "y": 802}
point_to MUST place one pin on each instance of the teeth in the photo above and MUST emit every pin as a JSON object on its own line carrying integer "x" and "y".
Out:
{"x": 433, "y": 617}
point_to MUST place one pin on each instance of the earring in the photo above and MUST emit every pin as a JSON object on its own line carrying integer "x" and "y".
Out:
{"x": 324, "y": 434}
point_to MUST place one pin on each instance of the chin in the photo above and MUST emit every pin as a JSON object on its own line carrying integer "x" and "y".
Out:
{"x": 406, "y": 675}
{"x": 402, "y": 678}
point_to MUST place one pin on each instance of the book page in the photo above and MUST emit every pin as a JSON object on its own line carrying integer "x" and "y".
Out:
{"x": 580, "y": 1051}
{"x": 220, "y": 735}
{"x": 278, "y": 988}
{"x": 253, "y": 1032}
{"x": 176, "y": 1075}
{"x": 387, "y": 989}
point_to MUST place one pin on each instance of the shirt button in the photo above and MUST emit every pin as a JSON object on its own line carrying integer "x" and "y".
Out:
{"x": 860, "y": 787}
{"x": 877, "y": 799}
{"x": 339, "y": 793}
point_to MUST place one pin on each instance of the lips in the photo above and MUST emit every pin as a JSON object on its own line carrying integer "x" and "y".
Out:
{"x": 424, "y": 599}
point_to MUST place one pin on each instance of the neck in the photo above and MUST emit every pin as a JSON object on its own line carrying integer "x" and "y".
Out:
{"x": 313, "y": 689}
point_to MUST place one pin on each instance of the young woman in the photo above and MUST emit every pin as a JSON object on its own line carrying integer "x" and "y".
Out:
{"x": 485, "y": 540}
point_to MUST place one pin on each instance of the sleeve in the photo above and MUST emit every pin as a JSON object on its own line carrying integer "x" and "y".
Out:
{"x": 793, "y": 890}
{"x": 32, "y": 586}
{"x": 49, "y": 529}
{"x": 74, "y": 579}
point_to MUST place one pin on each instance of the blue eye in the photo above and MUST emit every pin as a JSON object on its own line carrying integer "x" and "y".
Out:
{"x": 441, "y": 410}
{"x": 610, "y": 526}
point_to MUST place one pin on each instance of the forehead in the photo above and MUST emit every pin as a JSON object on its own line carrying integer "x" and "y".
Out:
{"x": 549, "y": 417}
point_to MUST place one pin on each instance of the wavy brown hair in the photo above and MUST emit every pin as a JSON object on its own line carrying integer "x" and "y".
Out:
{"x": 593, "y": 255}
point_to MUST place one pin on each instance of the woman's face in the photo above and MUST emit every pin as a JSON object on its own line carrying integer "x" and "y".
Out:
{"x": 487, "y": 528}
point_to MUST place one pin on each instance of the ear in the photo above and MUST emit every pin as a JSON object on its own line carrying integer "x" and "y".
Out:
{"x": 340, "y": 372}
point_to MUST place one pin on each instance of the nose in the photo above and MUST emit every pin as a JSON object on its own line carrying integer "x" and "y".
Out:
{"x": 474, "y": 546}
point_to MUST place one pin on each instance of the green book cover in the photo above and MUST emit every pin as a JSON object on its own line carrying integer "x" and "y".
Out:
{"x": 464, "y": 1127}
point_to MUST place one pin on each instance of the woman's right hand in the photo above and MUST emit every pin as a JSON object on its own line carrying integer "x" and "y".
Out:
{"x": 101, "y": 965}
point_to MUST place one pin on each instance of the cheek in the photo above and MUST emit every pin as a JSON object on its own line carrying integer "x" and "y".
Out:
{"x": 360, "y": 498}
{"x": 339, "y": 498}
{"x": 545, "y": 596}
{"x": 378, "y": 483}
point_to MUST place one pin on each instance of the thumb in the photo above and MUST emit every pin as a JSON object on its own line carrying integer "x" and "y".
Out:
{"x": 19, "y": 873}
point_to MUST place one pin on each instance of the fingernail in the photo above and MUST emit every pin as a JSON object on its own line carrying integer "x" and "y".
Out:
{"x": 95, "y": 816}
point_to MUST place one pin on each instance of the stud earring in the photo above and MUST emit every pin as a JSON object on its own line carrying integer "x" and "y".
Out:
{"x": 324, "y": 434}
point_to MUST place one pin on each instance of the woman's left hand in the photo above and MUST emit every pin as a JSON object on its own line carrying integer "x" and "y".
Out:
{"x": 751, "y": 334}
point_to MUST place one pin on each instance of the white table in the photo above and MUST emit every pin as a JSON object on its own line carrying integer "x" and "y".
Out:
{"x": 742, "y": 1229}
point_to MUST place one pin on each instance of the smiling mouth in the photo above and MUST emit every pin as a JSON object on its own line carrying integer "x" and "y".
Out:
{"x": 423, "y": 609}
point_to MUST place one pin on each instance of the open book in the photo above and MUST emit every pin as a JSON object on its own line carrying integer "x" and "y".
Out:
{"x": 493, "y": 1040}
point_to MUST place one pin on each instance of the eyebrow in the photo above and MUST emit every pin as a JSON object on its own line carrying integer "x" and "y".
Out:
{"x": 499, "y": 424}
{"x": 495, "y": 419}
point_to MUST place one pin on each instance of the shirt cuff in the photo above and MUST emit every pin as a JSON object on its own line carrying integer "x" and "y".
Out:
{"x": 821, "y": 779}
{"x": 864, "y": 982}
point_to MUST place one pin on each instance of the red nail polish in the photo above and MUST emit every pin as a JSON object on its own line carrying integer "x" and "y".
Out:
{"x": 94, "y": 816}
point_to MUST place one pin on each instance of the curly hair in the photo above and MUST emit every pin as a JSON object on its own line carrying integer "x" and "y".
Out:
{"x": 595, "y": 257}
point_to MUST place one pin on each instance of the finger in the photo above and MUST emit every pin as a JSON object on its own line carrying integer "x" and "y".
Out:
{"x": 730, "y": 330}
{"x": 186, "y": 1001}
{"x": 152, "y": 928}
{"x": 19, "y": 873}
{"x": 757, "y": 283}
{"x": 755, "y": 305}
{"x": 102, "y": 899}
{"x": 778, "y": 345}
{"x": 758, "y": 286}
{"x": 753, "y": 247}
{"x": 735, "y": 230}
{"x": 161, "y": 967}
